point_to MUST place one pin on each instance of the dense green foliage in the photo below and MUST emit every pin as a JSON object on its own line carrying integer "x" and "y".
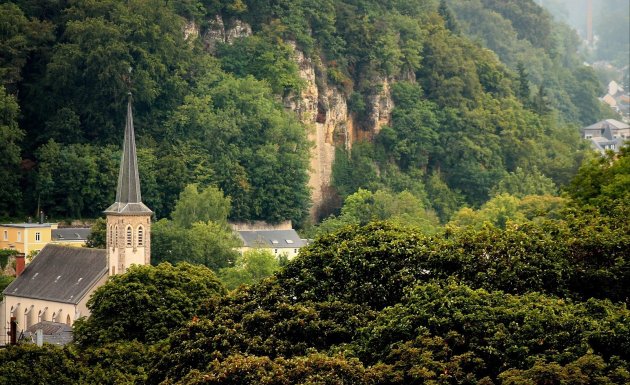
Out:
{"x": 249, "y": 268}
{"x": 146, "y": 303}
{"x": 207, "y": 127}
{"x": 537, "y": 302}
{"x": 199, "y": 232}
{"x": 10, "y": 136}
{"x": 209, "y": 109}
{"x": 603, "y": 181}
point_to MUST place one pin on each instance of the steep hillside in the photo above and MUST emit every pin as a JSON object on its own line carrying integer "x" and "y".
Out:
{"x": 392, "y": 95}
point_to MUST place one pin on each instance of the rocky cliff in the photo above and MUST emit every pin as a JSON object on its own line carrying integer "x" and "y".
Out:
{"x": 321, "y": 106}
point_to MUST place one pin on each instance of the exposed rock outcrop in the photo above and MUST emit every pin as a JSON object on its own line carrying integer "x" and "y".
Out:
{"x": 321, "y": 106}
{"x": 219, "y": 31}
{"x": 325, "y": 110}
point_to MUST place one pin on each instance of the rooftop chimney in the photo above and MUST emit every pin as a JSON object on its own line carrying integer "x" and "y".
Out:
{"x": 19, "y": 264}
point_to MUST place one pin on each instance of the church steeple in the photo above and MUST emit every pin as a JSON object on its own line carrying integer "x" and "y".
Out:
{"x": 128, "y": 219}
{"x": 128, "y": 197}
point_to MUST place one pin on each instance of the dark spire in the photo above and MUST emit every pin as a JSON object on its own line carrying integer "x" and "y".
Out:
{"x": 128, "y": 198}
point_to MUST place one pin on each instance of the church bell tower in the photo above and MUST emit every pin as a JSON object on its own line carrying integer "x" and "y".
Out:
{"x": 128, "y": 219}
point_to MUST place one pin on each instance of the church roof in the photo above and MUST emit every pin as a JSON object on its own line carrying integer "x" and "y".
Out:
{"x": 60, "y": 274}
{"x": 128, "y": 198}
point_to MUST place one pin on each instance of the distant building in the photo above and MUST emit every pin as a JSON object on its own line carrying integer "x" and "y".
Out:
{"x": 280, "y": 239}
{"x": 71, "y": 236}
{"x": 26, "y": 237}
{"x": 618, "y": 99}
{"x": 55, "y": 287}
{"x": 609, "y": 134}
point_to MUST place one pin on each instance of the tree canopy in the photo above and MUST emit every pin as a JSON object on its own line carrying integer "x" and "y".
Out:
{"x": 146, "y": 303}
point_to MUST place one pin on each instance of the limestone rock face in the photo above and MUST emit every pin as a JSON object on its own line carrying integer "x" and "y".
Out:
{"x": 321, "y": 106}
{"x": 380, "y": 106}
{"x": 219, "y": 31}
{"x": 324, "y": 109}
{"x": 191, "y": 30}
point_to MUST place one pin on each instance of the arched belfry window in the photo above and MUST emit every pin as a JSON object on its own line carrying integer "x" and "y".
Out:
{"x": 129, "y": 236}
{"x": 116, "y": 236}
{"x": 111, "y": 236}
{"x": 140, "y": 236}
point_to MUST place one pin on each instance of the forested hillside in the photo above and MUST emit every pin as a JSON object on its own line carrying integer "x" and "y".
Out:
{"x": 539, "y": 302}
{"x": 268, "y": 99}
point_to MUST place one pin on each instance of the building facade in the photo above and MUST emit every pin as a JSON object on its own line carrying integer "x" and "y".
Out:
{"x": 26, "y": 237}
{"x": 609, "y": 134}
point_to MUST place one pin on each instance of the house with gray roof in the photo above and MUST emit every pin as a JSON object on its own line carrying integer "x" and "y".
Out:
{"x": 280, "y": 242}
{"x": 55, "y": 286}
{"x": 71, "y": 235}
{"x": 609, "y": 134}
{"x": 55, "y": 333}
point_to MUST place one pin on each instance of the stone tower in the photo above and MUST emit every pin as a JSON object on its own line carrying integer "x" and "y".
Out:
{"x": 128, "y": 219}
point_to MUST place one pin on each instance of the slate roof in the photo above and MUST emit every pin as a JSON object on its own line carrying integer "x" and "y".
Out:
{"x": 70, "y": 234}
{"x": 53, "y": 332}
{"x": 608, "y": 123}
{"x": 60, "y": 273}
{"x": 27, "y": 225}
{"x": 271, "y": 238}
{"x": 128, "y": 197}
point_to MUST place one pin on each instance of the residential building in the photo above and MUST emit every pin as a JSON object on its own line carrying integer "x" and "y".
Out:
{"x": 26, "y": 237}
{"x": 280, "y": 239}
{"x": 618, "y": 99}
{"x": 55, "y": 287}
{"x": 609, "y": 134}
{"x": 71, "y": 236}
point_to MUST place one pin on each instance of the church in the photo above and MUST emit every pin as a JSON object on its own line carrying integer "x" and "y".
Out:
{"x": 55, "y": 287}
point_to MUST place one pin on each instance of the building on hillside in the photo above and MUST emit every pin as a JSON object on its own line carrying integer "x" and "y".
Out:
{"x": 609, "y": 134}
{"x": 26, "y": 237}
{"x": 618, "y": 99}
{"x": 71, "y": 236}
{"x": 57, "y": 284}
{"x": 280, "y": 239}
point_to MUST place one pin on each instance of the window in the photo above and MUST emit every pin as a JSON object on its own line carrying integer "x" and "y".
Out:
{"x": 19, "y": 238}
{"x": 68, "y": 320}
{"x": 6, "y": 235}
{"x": 129, "y": 232}
{"x": 115, "y": 236}
{"x": 140, "y": 239}
{"x": 38, "y": 237}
